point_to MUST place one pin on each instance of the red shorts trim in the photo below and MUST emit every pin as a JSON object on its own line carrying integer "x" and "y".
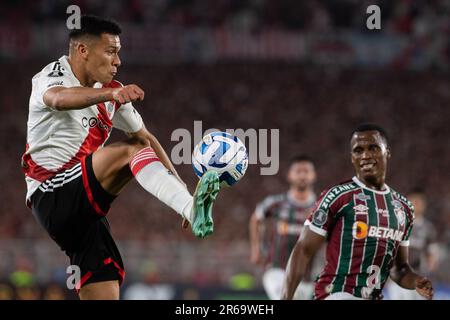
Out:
{"x": 116, "y": 265}
{"x": 94, "y": 204}
{"x": 89, "y": 274}
{"x": 83, "y": 281}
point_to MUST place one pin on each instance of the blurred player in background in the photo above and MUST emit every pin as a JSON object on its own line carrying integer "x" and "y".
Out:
{"x": 423, "y": 247}
{"x": 276, "y": 225}
{"x": 72, "y": 178}
{"x": 367, "y": 225}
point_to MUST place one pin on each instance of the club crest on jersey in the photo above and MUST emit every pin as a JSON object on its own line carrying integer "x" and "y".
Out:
{"x": 362, "y": 197}
{"x": 319, "y": 217}
{"x": 110, "y": 109}
{"x": 396, "y": 204}
{"x": 361, "y": 209}
{"x": 400, "y": 214}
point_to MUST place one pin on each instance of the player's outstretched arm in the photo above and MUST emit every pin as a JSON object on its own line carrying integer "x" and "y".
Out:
{"x": 62, "y": 98}
{"x": 307, "y": 246}
{"x": 405, "y": 277}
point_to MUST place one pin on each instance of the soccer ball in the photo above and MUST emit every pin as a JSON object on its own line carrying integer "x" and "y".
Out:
{"x": 223, "y": 153}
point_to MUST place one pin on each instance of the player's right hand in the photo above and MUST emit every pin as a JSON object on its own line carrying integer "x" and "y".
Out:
{"x": 129, "y": 93}
{"x": 424, "y": 287}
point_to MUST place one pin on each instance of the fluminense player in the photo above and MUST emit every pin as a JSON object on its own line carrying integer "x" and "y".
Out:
{"x": 72, "y": 178}
{"x": 367, "y": 226}
{"x": 423, "y": 249}
{"x": 276, "y": 225}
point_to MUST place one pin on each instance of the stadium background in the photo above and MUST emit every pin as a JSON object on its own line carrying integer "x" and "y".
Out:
{"x": 309, "y": 68}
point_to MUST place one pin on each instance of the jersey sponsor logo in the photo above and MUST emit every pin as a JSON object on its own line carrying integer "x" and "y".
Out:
{"x": 55, "y": 73}
{"x": 385, "y": 233}
{"x": 362, "y": 197}
{"x": 359, "y": 230}
{"x": 319, "y": 217}
{"x": 383, "y": 212}
{"x": 334, "y": 193}
{"x": 361, "y": 209}
{"x": 93, "y": 122}
{"x": 284, "y": 228}
{"x": 56, "y": 83}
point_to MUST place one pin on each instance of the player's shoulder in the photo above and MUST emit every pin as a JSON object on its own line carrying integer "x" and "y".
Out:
{"x": 273, "y": 199}
{"x": 55, "y": 71}
{"x": 340, "y": 188}
{"x": 55, "y": 68}
{"x": 400, "y": 199}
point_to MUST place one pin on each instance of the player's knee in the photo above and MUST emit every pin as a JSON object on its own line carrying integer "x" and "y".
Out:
{"x": 135, "y": 145}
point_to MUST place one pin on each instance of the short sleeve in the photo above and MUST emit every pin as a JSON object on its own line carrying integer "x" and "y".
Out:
{"x": 409, "y": 227}
{"x": 47, "y": 79}
{"x": 323, "y": 214}
{"x": 127, "y": 119}
{"x": 264, "y": 209}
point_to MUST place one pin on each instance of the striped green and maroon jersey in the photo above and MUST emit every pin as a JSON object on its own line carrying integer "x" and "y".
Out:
{"x": 284, "y": 222}
{"x": 364, "y": 229}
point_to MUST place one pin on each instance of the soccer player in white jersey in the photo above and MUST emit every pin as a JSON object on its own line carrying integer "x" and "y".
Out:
{"x": 72, "y": 178}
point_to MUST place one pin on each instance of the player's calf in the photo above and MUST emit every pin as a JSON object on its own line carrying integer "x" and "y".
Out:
{"x": 105, "y": 290}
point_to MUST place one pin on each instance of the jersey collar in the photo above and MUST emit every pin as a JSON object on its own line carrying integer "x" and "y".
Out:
{"x": 362, "y": 185}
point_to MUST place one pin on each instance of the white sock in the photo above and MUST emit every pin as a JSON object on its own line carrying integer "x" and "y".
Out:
{"x": 154, "y": 177}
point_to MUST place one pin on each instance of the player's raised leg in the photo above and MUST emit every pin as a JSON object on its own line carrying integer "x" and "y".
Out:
{"x": 143, "y": 157}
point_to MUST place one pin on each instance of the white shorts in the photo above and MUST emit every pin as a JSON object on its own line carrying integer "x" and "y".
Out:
{"x": 395, "y": 292}
{"x": 273, "y": 280}
{"x": 342, "y": 296}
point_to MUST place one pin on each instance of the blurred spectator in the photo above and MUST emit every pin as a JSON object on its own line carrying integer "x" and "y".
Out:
{"x": 6, "y": 292}
{"x": 54, "y": 292}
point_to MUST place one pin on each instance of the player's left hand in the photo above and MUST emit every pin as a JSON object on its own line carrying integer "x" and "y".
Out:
{"x": 424, "y": 287}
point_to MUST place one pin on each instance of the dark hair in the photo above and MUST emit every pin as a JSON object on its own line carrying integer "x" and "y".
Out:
{"x": 301, "y": 158}
{"x": 95, "y": 26}
{"x": 371, "y": 127}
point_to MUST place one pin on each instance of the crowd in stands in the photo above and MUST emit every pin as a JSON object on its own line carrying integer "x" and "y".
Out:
{"x": 403, "y": 16}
